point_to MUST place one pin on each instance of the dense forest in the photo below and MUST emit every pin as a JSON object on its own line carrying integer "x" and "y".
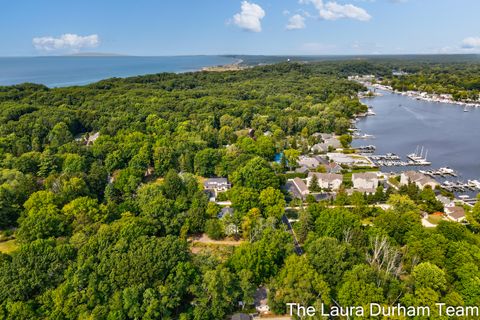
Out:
{"x": 101, "y": 192}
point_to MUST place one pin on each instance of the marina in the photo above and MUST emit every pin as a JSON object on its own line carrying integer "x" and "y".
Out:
{"x": 442, "y": 172}
{"x": 419, "y": 159}
{"x": 457, "y": 186}
{"x": 403, "y": 125}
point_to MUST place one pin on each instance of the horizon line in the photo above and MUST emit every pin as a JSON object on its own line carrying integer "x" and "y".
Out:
{"x": 109, "y": 55}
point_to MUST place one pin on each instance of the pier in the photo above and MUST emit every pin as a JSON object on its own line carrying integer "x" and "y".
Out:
{"x": 442, "y": 172}
{"x": 457, "y": 186}
{"x": 367, "y": 149}
{"x": 419, "y": 158}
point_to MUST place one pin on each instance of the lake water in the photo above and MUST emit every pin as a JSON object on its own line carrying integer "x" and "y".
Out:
{"x": 75, "y": 70}
{"x": 451, "y": 135}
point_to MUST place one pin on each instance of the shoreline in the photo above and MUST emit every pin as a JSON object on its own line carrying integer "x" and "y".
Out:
{"x": 236, "y": 66}
{"x": 425, "y": 96}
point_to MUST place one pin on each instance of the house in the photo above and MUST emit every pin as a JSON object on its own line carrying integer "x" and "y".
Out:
{"x": 333, "y": 142}
{"x": 309, "y": 162}
{"x": 349, "y": 160}
{"x": 225, "y": 212}
{"x": 365, "y": 180}
{"x": 90, "y": 139}
{"x": 301, "y": 186}
{"x": 303, "y": 170}
{"x": 333, "y": 167}
{"x": 330, "y": 181}
{"x": 447, "y": 202}
{"x": 217, "y": 185}
{"x": 319, "y": 148}
{"x": 455, "y": 213}
{"x": 418, "y": 178}
{"x": 260, "y": 299}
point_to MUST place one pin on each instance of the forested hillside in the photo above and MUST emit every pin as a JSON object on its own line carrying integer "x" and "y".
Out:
{"x": 101, "y": 190}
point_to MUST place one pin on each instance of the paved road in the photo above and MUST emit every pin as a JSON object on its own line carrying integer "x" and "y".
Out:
{"x": 298, "y": 249}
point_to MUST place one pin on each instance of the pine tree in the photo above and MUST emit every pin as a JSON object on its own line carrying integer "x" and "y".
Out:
{"x": 314, "y": 186}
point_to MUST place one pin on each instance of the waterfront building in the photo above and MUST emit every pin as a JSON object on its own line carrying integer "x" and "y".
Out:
{"x": 329, "y": 181}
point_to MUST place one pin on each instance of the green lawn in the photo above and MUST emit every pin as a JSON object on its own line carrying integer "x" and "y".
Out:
{"x": 434, "y": 219}
{"x": 8, "y": 246}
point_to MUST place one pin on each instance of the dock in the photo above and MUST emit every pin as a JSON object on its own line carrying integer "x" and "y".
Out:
{"x": 442, "y": 172}
{"x": 457, "y": 186}
{"x": 419, "y": 158}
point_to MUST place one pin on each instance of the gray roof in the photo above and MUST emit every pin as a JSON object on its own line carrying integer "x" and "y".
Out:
{"x": 365, "y": 176}
{"x": 301, "y": 186}
{"x": 225, "y": 211}
{"x": 456, "y": 212}
{"x": 326, "y": 176}
{"x": 303, "y": 169}
{"x": 215, "y": 181}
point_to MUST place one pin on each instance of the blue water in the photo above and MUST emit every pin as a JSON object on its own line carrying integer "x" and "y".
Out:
{"x": 74, "y": 70}
{"x": 278, "y": 157}
{"x": 451, "y": 135}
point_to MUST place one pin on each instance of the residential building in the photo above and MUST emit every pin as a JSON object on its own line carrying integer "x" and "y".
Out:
{"x": 455, "y": 213}
{"x": 333, "y": 142}
{"x": 216, "y": 185}
{"x": 447, "y": 202}
{"x": 333, "y": 167}
{"x": 319, "y": 148}
{"x": 225, "y": 212}
{"x": 301, "y": 186}
{"x": 365, "y": 180}
{"x": 303, "y": 170}
{"x": 419, "y": 179}
{"x": 309, "y": 162}
{"x": 329, "y": 181}
{"x": 349, "y": 160}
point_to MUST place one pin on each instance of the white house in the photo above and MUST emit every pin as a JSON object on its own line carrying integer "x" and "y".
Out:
{"x": 418, "y": 178}
{"x": 309, "y": 162}
{"x": 365, "y": 180}
{"x": 319, "y": 148}
{"x": 216, "y": 185}
{"x": 330, "y": 181}
{"x": 456, "y": 214}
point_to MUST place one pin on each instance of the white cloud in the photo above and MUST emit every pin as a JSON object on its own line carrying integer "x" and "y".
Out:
{"x": 250, "y": 17}
{"x": 296, "y": 22}
{"x": 471, "y": 43}
{"x": 333, "y": 10}
{"x": 66, "y": 42}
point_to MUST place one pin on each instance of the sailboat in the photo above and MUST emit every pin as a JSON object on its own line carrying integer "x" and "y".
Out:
{"x": 465, "y": 109}
{"x": 419, "y": 159}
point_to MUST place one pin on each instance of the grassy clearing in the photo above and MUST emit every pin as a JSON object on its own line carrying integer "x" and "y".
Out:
{"x": 8, "y": 246}
{"x": 434, "y": 219}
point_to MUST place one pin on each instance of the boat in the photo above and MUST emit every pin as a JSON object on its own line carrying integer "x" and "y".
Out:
{"x": 419, "y": 158}
{"x": 446, "y": 170}
{"x": 475, "y": 183}
{"x": 465, "y": 109}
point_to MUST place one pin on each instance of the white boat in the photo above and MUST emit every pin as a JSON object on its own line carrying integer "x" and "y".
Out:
{"x": 419, "y": 158}
{"x": 475, "y": 183}
{"x": 446, "y": 170}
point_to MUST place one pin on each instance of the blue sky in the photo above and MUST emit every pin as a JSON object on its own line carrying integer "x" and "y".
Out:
{"x": 183, "y": 27}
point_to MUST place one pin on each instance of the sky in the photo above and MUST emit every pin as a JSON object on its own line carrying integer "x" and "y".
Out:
{"x": 269, "y": 27}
